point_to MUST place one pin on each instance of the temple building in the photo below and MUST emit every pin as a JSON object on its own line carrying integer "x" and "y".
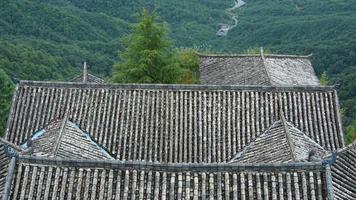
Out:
{"x": 259, "y": 127}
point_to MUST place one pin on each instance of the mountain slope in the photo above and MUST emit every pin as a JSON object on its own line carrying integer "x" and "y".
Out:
{"x": 48, "y": 40}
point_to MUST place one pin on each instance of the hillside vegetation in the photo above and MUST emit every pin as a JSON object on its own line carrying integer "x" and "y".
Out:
{"x": 48, "y": 40}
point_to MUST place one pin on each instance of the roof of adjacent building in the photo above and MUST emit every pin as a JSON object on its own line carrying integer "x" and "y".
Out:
{"x": 87, "y": 179}
{"x": 175, "y": 123}
{"x": 344, "y": 173}
{"x": 282, "y": 142}
{"x": 274, "y": 70}
{"x": 90, "y": 78}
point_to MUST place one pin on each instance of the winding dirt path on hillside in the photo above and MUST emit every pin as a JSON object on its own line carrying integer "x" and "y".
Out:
{"x": 225, "y": 28}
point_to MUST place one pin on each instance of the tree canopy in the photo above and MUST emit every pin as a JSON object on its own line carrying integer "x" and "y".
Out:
{"x": 150, "y": 58}
{"x": 324, "y": 79}
{"x": 351, "y": 132}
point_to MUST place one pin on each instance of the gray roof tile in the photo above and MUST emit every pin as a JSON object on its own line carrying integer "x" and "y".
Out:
{"x": 282, "y": 142}
{"x": 4, "y": 162}
{"x": 344, "y": 173}
{"x": 122, "y": 180}
{"x": 175, "y": 123}
{"x": 64, "y": 139}
{"x": 276, "y": 70}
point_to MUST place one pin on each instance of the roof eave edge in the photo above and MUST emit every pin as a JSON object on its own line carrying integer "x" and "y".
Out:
{"x": 329, "y": 182}
{"x": 9, "y": 178}
{"x": 11, "y": 114}
{"x": 338, "y": 115}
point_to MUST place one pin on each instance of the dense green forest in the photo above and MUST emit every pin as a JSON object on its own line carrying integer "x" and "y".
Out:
{"x": 48, "y": 40}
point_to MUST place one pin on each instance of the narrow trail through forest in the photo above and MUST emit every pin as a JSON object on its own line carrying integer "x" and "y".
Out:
{"x": 225, "y": 28}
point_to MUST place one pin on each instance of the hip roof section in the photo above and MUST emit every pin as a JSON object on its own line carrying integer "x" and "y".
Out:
{"x": 281, "y": 143}
{"x": 275, "y": 70}
{"x": 344, "y": 173}
{"x": 175, "y": 123}
{"x": 64, "y": 139}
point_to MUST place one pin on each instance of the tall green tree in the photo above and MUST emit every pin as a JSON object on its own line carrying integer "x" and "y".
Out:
{"x": 6, "y": 89}
{"x": 351, "y": 132}
{"x": 150, "y": 58}
{"x": 187, "y": 60}
{"x": 324, "y": 79}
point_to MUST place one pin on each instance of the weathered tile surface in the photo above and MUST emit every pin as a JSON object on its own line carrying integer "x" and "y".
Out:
{"x": 64, "y": 139}
{"x": 344, "y": 173}
{"x": 4, "y": 162}
{"x": 281, "y": 143}
{"x": 276, "y": 70}
{"x": 77, "y": 180}
{"x": 175, "y": 123}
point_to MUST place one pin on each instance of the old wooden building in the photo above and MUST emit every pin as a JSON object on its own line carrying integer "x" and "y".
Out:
{"x": 279, "y": 137}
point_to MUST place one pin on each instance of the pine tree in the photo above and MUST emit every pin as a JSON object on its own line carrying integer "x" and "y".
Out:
{"x": 351, "y": 132}
{"x": 148, "y": 57}
{"x": 324, "y": 79}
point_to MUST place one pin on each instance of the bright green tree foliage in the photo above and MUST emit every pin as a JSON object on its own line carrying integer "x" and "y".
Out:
{"x": 187, "y": 60}
{"x": 149, "y": 57}
{"x": 257, "y": 50}
{"x": 351, "y": 132}
{"x": 6, "y": 89}
{"x": 324, "y": 79}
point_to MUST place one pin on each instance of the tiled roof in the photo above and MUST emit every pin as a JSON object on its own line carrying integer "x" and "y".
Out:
{"x": 175, "y": 123}
{"x": 7, "y": 150}
{"x": 64, "y": 139}
{"x": 282, "y": 142}
{"x": 344, "y": 173}
{"x": 80, "y": 179}
{"x": 275, "y": 70}
{"x": 4, "y": 162}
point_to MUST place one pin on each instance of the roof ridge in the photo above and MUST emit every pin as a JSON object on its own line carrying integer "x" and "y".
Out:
{"x": 345, "y": 148}
{"x": 288, "y": 136}
{"x": 29, "y": 83}
{"x": 255, "y": 55}
{"x": 240, "y": 153}
{"x": 12, "y": 145}
{"x": 305, "y": 135}
{"x": 60, "y": 134}
{"x": 169, "y": 166}
{"x": 88, "y": 74}
{"x": 265, "y": 68}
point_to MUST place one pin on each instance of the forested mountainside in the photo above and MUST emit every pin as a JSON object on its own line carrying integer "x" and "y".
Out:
{"x": 48, "y": 40}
